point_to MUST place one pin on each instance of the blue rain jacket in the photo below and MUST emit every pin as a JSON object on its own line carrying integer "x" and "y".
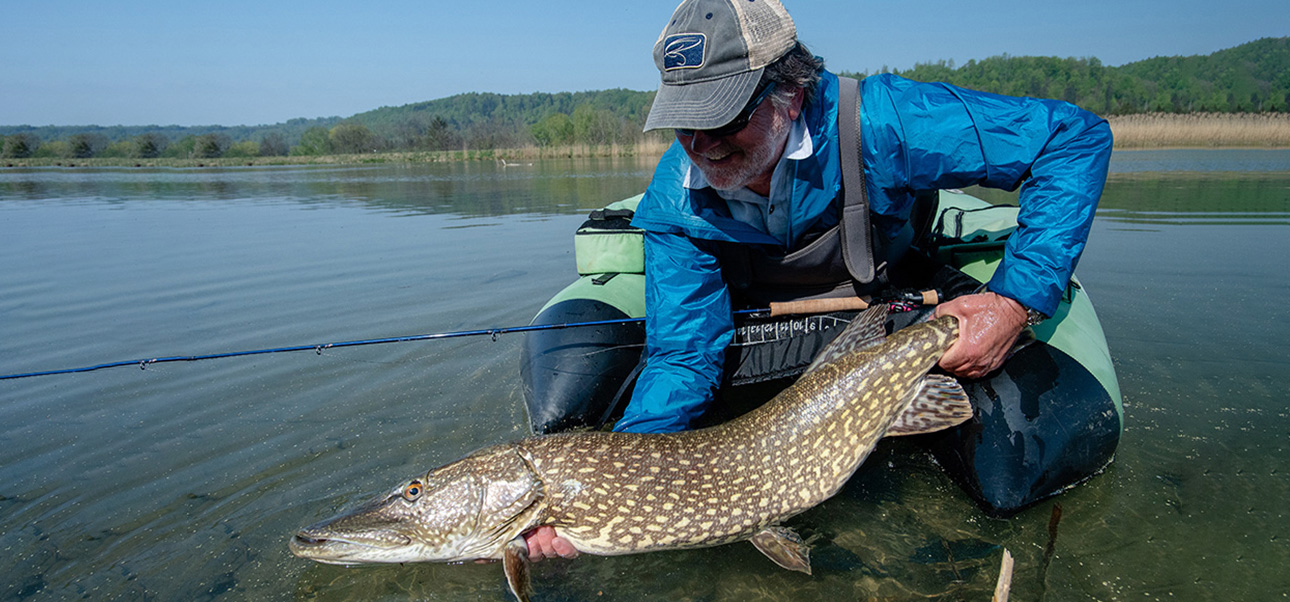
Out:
{"x": 916, "y": 136}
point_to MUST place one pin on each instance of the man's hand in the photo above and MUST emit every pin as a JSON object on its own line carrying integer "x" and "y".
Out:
{"x": 988, "y": 326}
{"x": 544, "y": 543}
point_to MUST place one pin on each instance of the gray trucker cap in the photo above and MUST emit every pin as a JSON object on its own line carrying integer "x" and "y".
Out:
{"x": 711, "y": 56}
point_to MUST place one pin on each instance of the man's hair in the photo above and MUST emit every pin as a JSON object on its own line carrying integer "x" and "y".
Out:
{"x": 797, "y": 69}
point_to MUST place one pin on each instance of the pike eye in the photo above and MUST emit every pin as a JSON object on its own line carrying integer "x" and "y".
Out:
{"x": 412, "y": 491}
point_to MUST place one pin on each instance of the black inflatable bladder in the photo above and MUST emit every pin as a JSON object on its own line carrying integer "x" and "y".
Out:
{"x": 572, "y": 376}
{"x": 1041, "y": 424}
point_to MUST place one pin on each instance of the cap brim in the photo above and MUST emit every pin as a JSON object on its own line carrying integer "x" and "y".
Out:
{"x": 701, "y": 105}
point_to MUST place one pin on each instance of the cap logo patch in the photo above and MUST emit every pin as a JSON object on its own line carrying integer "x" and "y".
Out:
{"x": 684, "y": 51}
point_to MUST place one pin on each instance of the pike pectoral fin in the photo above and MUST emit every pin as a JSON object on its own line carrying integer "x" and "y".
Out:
{"x": 940, "y": 404}
{"x": 516, "y": 561}
{"x": 785, "y": 547}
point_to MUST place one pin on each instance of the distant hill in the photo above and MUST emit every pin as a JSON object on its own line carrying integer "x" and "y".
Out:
{"x": 476, "y": 108}
{"x": 291, "y": 129}
{"x": 1253, "y": 77}
{"x": 501, "y": 120}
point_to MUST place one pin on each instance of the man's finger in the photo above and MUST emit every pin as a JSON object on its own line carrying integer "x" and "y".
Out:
{"x": 563, "y": 547}
{"x": 544, "y": 542}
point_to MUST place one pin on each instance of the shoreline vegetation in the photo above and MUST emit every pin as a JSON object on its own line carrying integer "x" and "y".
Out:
{"x": 1233, "y": 98}
{"x": 1201, "y": 130}
{"x": 516, "y": 157}
{"x": 1132, "y": 132}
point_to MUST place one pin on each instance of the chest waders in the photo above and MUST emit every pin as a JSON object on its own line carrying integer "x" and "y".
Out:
{"x": 836, "y": 258}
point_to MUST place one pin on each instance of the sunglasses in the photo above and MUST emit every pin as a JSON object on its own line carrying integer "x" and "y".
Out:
{"x": 740, "y": 121}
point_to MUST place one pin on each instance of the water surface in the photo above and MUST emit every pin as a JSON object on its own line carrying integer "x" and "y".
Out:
{"x": 183, "y": 481}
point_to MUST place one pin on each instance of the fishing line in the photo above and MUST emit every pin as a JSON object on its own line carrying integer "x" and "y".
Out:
{"x": 320, "y": 348}
{"x": 493, "y": 333}
{"x": 775, "y": 309}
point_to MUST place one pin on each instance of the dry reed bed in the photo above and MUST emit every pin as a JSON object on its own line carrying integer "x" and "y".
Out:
{"x": 531, "y": 153}
{"x": 1199, "y": 130}
{"x": 1151, "y": 130}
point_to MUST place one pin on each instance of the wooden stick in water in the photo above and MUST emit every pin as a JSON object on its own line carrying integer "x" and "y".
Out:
{"x": 1004, "y": 584}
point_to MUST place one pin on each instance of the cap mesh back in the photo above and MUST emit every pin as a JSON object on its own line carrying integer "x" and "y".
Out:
{"x": 767, "y": 28}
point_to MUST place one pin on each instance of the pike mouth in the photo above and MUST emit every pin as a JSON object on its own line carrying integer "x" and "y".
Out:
{"x": 311, "y": 548}
{"x": 304, "y": 546}
{"x": 345, "y": 550}
{"x": 304, "y": 541}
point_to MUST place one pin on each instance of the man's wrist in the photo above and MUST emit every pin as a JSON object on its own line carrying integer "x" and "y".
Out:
{"x": 1033, "y": 316}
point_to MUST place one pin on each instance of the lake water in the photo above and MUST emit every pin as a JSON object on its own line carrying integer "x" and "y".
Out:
{"x": 183, "y": 481}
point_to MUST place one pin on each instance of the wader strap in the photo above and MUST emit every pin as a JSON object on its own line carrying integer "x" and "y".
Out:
{"x": 857, "y": 246}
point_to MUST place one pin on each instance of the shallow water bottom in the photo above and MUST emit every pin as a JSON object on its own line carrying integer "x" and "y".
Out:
{"x": 184, "y": 481}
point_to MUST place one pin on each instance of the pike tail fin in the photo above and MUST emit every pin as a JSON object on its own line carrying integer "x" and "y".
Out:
{"x": 940, "y": 404}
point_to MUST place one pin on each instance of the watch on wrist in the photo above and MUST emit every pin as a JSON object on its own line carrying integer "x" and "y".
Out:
{"x": 1034, "y": 317}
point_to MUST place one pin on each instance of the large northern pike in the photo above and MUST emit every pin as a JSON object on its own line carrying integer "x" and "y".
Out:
{"x": 623, "y": 493}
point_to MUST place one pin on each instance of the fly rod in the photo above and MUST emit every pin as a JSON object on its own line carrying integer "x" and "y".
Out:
{"x": 775, "y": 310}
{"x": 319, "y": 348}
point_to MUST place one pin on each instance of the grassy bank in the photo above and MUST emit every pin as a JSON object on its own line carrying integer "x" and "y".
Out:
{"x": 1154, "y": 130}
{"x": 1202, "y": 130}
{"x": 514, "y": 155}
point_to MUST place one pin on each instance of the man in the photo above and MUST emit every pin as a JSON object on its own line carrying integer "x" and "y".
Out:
{"x": 756, "y": 165}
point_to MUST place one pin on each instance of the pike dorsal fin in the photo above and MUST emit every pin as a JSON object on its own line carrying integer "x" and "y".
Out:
{"x": 940, "y": 404}
{"x": 865, "y": 330}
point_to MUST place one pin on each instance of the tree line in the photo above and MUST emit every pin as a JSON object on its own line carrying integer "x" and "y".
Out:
{"x": 1250, "y": 78}
{"x": 463, "y": 122}
{"x": 1253, "y": 77}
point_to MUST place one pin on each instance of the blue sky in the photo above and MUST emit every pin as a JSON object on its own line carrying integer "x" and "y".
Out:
{"x": 234, "y": 62}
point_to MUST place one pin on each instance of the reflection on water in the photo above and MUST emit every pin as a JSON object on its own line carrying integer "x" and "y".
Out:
{"x": 461, "y": 188}
{"x": 1241, "y": 160}
{"x": 1197, "y": 198}
{"x": 183, "y": 481}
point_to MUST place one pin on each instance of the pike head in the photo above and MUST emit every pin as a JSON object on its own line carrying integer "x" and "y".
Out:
{"x": 466, "y": 510}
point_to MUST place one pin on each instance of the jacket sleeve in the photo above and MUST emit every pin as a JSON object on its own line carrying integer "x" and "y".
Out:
{"x": 688, "y": 327}
{"x": 921, "y": 136}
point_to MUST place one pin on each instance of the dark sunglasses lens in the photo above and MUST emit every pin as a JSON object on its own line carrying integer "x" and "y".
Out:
{"x": 740, "y": 121}
{"x": 733, "y": 127}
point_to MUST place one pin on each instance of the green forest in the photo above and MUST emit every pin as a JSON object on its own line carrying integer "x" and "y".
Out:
{"x": 1251, "y": 78}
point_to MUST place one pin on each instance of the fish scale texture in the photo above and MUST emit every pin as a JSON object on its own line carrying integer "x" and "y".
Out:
{"x": 622, "y": 493}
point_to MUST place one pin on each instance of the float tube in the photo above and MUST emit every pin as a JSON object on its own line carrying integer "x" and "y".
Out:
{"x": 1049, "y": 419}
